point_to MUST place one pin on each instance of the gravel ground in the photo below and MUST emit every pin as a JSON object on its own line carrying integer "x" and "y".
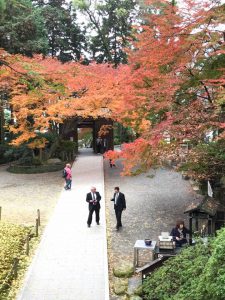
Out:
{"x": 153, "y": 205}
{"x": 155, "y": 200}
{"x": 22, "y": 194}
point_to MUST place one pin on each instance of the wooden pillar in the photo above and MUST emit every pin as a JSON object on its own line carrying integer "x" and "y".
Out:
{"x": 75, "y": 136}
{"x": 210, "y": 229}
{"x": 190, "y": 228}
{"x": 94, "y": 135}
{"x": 196, "y": 223}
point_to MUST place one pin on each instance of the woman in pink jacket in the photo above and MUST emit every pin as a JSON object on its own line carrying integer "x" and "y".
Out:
{"x": 68, "y": 177}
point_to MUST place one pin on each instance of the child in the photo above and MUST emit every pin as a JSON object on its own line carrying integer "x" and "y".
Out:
{"x": 111, "y": 163}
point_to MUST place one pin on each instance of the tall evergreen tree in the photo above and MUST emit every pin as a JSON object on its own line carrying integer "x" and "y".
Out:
{"x": 66, "y": 40}
{"x": 111, "y": 28}
{"x": 21, "y": 28}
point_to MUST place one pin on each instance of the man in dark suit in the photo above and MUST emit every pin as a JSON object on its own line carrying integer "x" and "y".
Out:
{"x": 119, "y": 206}
{"x": 93, "y": 199}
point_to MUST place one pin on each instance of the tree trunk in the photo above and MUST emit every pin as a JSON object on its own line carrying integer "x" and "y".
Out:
{"x": 2, "y": 121}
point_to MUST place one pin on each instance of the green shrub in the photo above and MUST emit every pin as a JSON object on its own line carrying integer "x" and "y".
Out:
{"x": 66, "y": 150}
{"x": 18, "y": 169}
{"x": 212, "y": 282}
{"x": 66, "y": 145}
{"x": 4, "y": 148}
{"x": 197, "y": 273}
{"x": 12, "y": 240}
{"x": 36, "y": 161}
{"x": 22, "y": 153}
{"x": 178, "y": 277}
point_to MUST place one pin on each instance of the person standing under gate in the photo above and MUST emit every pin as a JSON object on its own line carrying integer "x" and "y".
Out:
{"x": 105, "y": 145}
{"x": 93, "y": 199}
{"x": 119, "y": 206}
{"x": 99, "y": 145}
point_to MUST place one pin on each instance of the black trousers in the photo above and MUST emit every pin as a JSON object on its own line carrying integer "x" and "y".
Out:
{"x": 181, "y": 242}
{"x": 99, "y": 148}
{"x": 118, "y": 213}
{"x": 91, "y": 210}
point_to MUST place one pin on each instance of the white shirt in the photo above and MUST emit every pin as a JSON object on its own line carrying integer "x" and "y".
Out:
{"x": 116, "y": 198}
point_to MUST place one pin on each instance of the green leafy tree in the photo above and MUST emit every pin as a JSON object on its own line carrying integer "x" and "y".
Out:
{"x": 2, "y": 6}
{"x": 110, "y": 24}
{"x": 206, "y": 161}
{"x": 66, "y": 39}
{"x": 21, "y": 28}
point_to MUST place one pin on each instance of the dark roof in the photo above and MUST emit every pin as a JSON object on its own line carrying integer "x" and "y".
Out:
{"x": 207, "y": 205}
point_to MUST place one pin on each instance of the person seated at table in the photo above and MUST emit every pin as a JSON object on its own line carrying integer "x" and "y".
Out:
{"x": 179, "y": 234}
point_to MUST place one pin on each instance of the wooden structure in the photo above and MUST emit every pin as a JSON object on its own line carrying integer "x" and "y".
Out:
{"x": 69, "y": 130}
{"x": 206, "y": 216}
{"x": 140, "y": 245}
{"x": 166, "y": 252}
{"x": 159, "y": 257}
{"x": 147, "y": 269}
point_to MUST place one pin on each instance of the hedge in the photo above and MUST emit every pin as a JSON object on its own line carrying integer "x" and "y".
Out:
{"x": 197, "y": 273}
{"x": 19, "y": 169}
{"x": 12, "y": 241}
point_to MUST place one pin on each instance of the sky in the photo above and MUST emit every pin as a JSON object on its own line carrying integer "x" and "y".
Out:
{"x": 83, "y": 19}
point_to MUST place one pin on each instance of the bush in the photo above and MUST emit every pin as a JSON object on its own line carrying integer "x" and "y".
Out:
{"x": 9, "y": 153}
{"x": 36, "y": 161}
{"x": 19, "y": 169}
{"x": 66, "y": 150}
{"x": 3, "y": 150}
{"x": 178, "y": 278}
{"x": 12, "y": 240}
{"x": 212, "y": 282}
{"x": 67, "y": 146}
{"x": 197, "y": 273}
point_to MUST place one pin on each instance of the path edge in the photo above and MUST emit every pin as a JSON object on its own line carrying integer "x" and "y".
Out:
{"x": 106, "y": 268}
{"x": 19, "y": 295}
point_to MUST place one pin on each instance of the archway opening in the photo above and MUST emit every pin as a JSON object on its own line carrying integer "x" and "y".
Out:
{"x": 85, "y": 137}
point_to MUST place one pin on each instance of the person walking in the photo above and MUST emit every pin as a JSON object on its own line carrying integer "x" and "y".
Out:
{"x": 93, "y": 199}
{"x": 119, "y": 206}
{"x": 68, "y": 177}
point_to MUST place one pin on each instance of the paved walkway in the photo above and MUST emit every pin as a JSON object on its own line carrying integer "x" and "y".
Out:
{"x": 71, "y": 262}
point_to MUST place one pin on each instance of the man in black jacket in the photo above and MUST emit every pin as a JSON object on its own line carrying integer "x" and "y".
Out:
{"x": 93, "y": 199}
{"x": 119, "y": 206}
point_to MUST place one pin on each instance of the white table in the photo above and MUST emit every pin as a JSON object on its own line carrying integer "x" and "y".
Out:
{"x": 140, "y": 244}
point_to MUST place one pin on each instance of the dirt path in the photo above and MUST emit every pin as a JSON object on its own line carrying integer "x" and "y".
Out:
{"x": 153, "y": 205}
{"x": 22, "y": 194}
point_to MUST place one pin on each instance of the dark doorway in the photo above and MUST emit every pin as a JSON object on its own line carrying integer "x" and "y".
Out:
{"x": 73, "y": 128}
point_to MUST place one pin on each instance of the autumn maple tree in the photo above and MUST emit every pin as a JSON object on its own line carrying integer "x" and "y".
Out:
{"x": 172, "y": 88}
{"x": 45, "y": 92}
